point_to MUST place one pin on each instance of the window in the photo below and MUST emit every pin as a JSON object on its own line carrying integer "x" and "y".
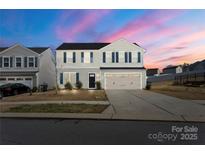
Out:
{"x": 2, "y": 79}
{"x": 11, "y": 79}
{"x": 6, "y": 61}
{"x": 19, "y": 79}
{"x": 74, "y": 57}
{"x": 130, "y": 57}
{"x": 82, "y": 57}
{"x": 113, "y": 57}
{"x": 104, "y": 57}
{"x": 18, "y": 62}
{"x": 28, "y": 79}
{"x": 31, "y": 61}
{"x": 139, "y": 57}
{"x": 77, "y": 77}
{"x": 91, "y": 57}
{"x": 64, "y": 57}
{"x": 61, "y": 78}
{"x": 25, "y": 61}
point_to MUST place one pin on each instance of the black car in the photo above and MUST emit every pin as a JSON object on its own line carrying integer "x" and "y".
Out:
{"x": 10, "y": 89}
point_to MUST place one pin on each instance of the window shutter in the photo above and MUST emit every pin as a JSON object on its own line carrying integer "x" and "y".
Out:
{"x": 126, "y": 57}
{"x": 36, "y": 61}
{"x": 0, "y": 62}
{"x": 11, "y": 61}
{"x": 64, "y": 57}
{"x": 130, "y": 57}
{"x": 25, "y": 62}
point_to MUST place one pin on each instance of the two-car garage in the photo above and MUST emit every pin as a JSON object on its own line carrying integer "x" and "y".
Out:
{"x": 123, "y": 80}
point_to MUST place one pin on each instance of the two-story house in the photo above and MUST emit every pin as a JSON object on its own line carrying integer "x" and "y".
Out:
{"x": 30, "y": 66}
{"x": 117, "y": 65}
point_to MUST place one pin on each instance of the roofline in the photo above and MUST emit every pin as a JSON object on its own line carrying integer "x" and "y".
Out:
{"x": 27, "y": 48}
{"x": 122, "y": 67}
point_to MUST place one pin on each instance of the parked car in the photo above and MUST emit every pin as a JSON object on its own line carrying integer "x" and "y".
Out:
{"x": 10, "y": 89}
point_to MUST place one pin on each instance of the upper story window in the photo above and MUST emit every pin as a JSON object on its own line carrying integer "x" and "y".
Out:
{"x": 74, "y": 57}
{"x": 115, "y": 57}
{"x": 91, "y": 57}
{"x": 31, "y": 61}
{"x": 82, "y": 57}
{"x": 128, "y": 57}
{"x": 64, "y": 57}
{"x": 6, "y": 61}
{"x": 139, "y": 57}
{"x": 104, "y": 57}
{"x": 18, "y": 62}
{"x": 25, "y": 61}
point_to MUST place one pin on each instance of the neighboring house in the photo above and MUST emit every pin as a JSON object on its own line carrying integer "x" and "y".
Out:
{"x": 197, "y": 66}
{"x": 31, "y": 66}
{"x": 153, "y": 72}
{"x": 117, "y": 65}
{"x": 172, "y": 70}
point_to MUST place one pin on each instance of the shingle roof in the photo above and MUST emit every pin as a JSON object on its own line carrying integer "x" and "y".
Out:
{"x": 38, "y": 50}
{"x": 83, "y": 46}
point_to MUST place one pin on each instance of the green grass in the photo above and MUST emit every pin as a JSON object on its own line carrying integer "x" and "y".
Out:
{"x": 58, "y": 108}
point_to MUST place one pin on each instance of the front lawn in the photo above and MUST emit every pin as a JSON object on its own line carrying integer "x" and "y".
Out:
{"x": 58, "y": 108}
{"x": 62, "y": 95}
{"x": 182, "y": 92}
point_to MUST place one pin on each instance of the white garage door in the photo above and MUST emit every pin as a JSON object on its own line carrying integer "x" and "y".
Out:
{"x": 28, "y": 81}
{"x": 123, "y": 81}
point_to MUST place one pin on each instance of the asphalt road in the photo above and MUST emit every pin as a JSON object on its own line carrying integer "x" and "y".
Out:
{"x": 65, "y": 131}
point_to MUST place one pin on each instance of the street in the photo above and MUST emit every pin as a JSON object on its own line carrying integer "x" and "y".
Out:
{"x": 68, "y": 131}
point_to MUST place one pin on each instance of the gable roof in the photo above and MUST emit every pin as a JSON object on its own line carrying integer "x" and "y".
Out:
{"x": 83, "y": 46}
{"x": 38, "y": 50}
{"x": 172, "y": 67}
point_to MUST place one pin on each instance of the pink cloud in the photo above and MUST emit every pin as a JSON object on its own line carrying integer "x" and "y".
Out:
{"x": 182, "y": 41}
{"x": 142, "y": 24}
{"x": 84, "y": 23}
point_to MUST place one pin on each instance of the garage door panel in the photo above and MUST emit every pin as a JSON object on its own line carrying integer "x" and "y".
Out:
{"x": 28, "y": 81}
{"x": 123, "y": 81}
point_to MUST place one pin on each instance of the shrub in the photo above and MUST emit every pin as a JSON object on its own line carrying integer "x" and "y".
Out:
{"x": 78, "y": 84}
{"x": 69, "y": 86}
{"x": 148, "y": 86}
{"x": 34, "y": 89}
{"x": 98, "y": 85}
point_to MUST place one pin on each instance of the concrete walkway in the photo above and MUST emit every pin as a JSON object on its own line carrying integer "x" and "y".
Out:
{"x": 143, "y": 104}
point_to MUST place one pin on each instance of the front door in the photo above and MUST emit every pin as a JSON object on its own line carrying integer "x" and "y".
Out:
{"x": 91, "y": 80}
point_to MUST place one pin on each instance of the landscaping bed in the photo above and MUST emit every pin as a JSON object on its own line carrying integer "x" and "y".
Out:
{"x": 57, "y": 108}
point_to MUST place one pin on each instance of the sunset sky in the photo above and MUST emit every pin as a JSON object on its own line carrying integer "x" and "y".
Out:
{"x": 169, "y": 36}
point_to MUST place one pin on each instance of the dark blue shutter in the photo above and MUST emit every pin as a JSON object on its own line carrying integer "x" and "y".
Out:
{"x": 36, "y": 61}
{"x": 11, "y": 61}
{"x": 25, "y": 61}
{"x": 117, "y": 57}
{"x": 0, "y": 62}
{"x": 139, "y": 57}
{"x": 64, "y": 57}
{"x": 130, "y": 57}
{"x": 82, "y": 57}
{"x": 61, "y": 78}
{"x": 113, "y": 57}
{"x": 126, "y": 60}
{"x": 77, "y": 77}
{"x": 91, "y": 57}
{"x": 104, "y": 57}
{"x": 74, "y": 57}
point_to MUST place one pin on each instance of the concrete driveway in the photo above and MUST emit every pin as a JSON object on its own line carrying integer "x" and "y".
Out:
{"x": 147, "y": 105}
